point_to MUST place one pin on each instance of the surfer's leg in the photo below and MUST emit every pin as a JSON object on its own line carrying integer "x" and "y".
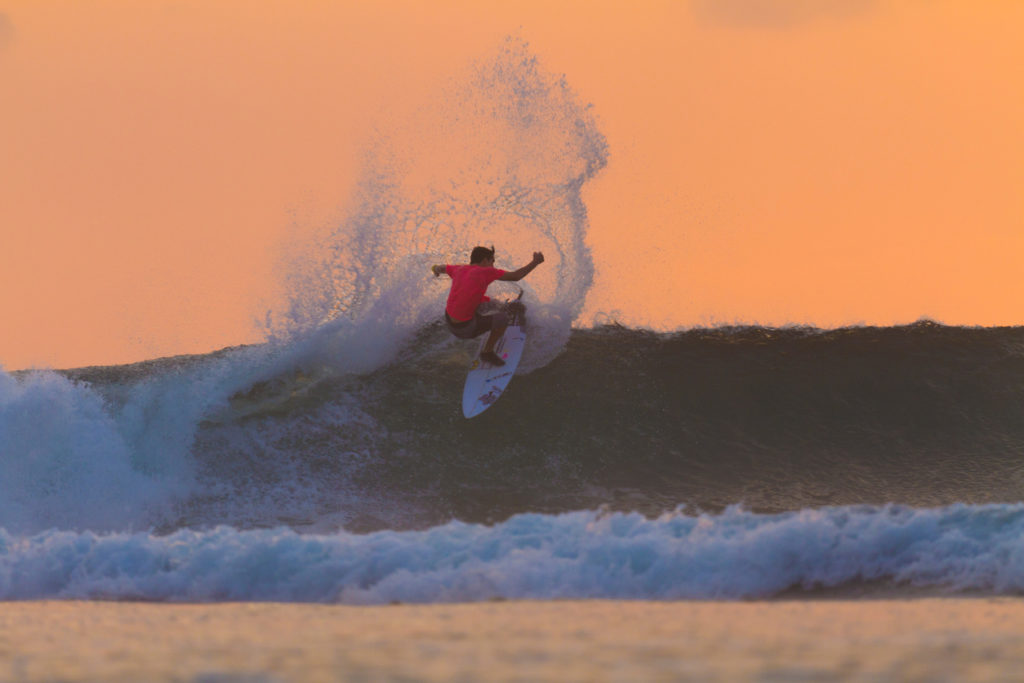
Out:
{"x": 499, "y": 322}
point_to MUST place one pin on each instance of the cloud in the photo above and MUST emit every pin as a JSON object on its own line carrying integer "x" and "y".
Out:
{"x": 775, "y": 13}
{"x": 6, "y": 31}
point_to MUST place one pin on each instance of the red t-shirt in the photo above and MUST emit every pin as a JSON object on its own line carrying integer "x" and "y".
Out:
{"x": 469, "y": 287}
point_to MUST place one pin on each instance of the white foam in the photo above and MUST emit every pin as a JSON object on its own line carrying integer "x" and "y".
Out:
{"x": 736, "y": 554}
{"x": 114, "y": 455}
{"x": 63, "y": 459}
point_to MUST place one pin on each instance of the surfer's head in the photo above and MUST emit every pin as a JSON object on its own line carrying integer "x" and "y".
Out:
{"x": 480, "y": 254}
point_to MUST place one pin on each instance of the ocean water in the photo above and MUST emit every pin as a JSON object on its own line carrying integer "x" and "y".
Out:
{"x": 723, "y": 463}
{"x": 332, "y": 463}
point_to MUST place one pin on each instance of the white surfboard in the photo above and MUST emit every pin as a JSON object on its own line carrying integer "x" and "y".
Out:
{"x": 486, "y": 382}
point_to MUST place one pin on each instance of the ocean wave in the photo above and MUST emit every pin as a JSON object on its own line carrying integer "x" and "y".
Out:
{"x": 773, "y": 419}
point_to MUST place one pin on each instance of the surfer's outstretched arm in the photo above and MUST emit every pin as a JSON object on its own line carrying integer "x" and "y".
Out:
{"x": 516, "y": 275}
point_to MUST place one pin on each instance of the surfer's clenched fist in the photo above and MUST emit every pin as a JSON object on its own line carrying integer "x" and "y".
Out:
{"x": 538, "y": 257}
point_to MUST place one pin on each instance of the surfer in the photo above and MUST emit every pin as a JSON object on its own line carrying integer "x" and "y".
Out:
{"x": 469, "y": 292}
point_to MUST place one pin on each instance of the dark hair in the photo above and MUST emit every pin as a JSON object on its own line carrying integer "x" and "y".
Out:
{"x": 480, "y": 253}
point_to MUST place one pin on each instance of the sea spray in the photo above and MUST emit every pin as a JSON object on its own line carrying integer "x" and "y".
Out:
{"x": 501, "y": 159}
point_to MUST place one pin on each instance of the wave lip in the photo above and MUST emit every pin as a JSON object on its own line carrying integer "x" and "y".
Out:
{"x": 732, "y": 555}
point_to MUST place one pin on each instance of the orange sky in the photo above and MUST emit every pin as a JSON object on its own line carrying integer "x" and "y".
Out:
{"x": 771, "y": 161}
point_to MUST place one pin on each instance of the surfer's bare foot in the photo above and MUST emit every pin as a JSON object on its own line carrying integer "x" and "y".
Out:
{"x": 492, "y": 358}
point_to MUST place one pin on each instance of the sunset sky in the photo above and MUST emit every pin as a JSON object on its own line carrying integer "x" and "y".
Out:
{"x": 823, "y": 162}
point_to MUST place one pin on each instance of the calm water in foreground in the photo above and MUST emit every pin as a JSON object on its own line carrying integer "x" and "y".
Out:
{"x": 935, "y": 639}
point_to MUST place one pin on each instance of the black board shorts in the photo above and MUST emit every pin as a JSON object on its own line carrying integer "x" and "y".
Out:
{"x": 473, "y": 327}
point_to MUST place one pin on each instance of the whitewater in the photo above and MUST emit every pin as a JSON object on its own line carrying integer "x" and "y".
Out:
{"x": 332, "y": 463}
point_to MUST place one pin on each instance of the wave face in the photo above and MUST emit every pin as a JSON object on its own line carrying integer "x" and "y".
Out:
{"x": 775, "y": 420}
